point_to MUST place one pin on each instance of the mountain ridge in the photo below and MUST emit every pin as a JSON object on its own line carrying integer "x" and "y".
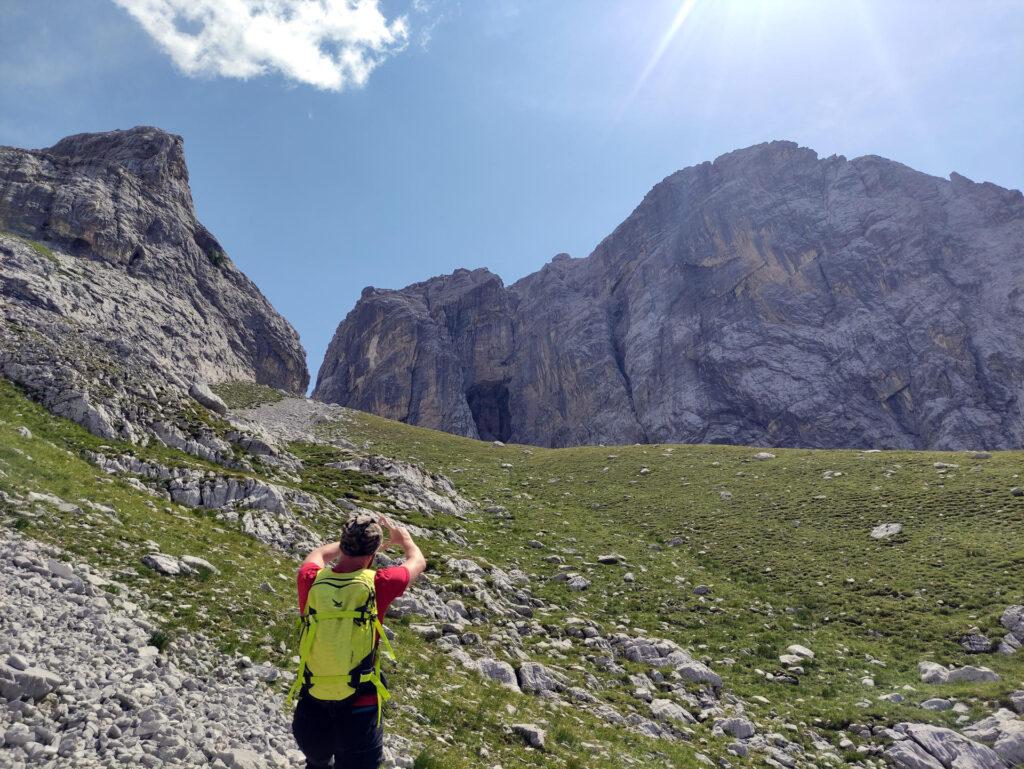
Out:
{"x": 693, "y": 320}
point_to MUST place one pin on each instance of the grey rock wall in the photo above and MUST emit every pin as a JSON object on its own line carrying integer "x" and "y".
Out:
{"x": 116, "y": 301}
{"x": 769, "y": 297}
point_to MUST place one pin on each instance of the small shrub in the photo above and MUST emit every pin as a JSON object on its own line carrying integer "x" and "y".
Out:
{"x": 216, "y": 256}
{"x": 161, "y": 638}
{"x": 427, "y": 760}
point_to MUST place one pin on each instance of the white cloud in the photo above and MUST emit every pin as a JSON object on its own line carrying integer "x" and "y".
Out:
{"x": 330, "y": 44}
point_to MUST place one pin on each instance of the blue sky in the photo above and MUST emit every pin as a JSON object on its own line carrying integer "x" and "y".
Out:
{"x": 498, "y": 133}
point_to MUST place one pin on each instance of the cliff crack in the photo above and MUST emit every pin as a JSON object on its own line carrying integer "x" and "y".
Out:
{"x": 620, "y": 363}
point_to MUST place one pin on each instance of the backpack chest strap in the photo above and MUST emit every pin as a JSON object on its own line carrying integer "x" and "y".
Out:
{"x": 340, "y": 614}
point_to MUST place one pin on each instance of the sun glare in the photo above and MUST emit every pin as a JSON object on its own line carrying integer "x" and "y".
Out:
{"x": 685, "y": 9}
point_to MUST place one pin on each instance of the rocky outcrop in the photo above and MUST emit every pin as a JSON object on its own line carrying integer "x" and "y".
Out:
{"x": 266, "y": 511}
{"x": 770, "y": 297}
{"x": 923, "y": 746}
{"x": 80, "y": 684}
{"x": 1003, "y": 731}
{"x": 411, "y": 487}
{"x": 118, "y": 305}
{"x": 1013, "y": 620}
{"x": 405, "y": 486}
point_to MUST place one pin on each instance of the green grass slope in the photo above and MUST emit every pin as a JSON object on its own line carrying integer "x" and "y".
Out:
{"x": 782, "y": 544}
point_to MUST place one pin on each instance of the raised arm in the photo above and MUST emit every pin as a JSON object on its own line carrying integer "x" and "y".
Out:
{"x": 415, "y": 563}
{"x": 324, "y": 554}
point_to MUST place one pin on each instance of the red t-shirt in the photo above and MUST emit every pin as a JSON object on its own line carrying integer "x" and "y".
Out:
{"x": 388, "y": 584}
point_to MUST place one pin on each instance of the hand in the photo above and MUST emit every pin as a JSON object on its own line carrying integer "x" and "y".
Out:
{"x": 415, "y": 563}
{"x": 397, "y": 535}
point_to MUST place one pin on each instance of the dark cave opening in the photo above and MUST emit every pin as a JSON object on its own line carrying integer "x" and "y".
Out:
{"x": 488, "y": 402}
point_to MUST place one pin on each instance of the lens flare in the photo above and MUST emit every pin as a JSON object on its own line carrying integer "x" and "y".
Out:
{"x": 685, "y": 9}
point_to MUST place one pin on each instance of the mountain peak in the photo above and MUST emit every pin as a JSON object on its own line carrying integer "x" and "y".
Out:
{"x": 149, "y": 153}
{"x": 123, "y": 278}
{"x": 775, "y": 155}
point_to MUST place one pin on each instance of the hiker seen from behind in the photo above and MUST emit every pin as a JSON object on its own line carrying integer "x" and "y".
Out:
{"x": 341, "y": 689}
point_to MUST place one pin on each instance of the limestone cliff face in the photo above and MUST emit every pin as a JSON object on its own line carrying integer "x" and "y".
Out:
{"x": 429, "y": 352}
{"x": 115, "y": 298}
{"x": 770, "y": 297}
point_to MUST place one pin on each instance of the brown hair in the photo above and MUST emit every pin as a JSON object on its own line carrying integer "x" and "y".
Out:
{"x": 361, "y": 535}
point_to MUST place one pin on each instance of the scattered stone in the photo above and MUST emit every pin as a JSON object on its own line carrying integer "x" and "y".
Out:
{"x": 1013, "y": 620}
{"x": 976, "y": 643}
{"x": 242, "y": 758}
{"x": 24, "y": 432}
{"x": 532, "y": 735}
{"x": 18, "y": 735}
{"x": 32, "y": 682}
{"x": 106, "y": 698}
{"x": 199, "y": 564}
{"x": 668, "y": 710}
{"x": 60, "y": 569}
{"x": 740, "y": 728}
{"x": 664, "y": 655}
{"x": 886, "y": 530}
{"x": 611, "y": 559}
{"x": 17, "y": 662}
{"x": 800, "y": 651}
{"x": 763, "y": 456}
{"x": 534, "y": 678}
{"x": 970, "y": 673}
{"x": 934, "y": 747}
{"x": 1017, "y": 700}
{"x": 429, "y": 632}
{"x": 932, "y": 672}
{"x": 206, "y": 397}
{"x": 499, "y": 671}
{"x": 937, "y": 704}
{"x": 577, "y": 583}
{"x": 164, "y": 564}
{"x": 1008, "y": 644}
{"x": 1004, "y": 732}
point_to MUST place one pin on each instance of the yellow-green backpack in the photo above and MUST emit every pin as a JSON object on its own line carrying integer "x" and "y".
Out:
{"x": 339, "y": 637}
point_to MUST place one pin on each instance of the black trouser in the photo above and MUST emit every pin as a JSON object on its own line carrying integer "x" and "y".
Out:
{"x": 325, "y": 729}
